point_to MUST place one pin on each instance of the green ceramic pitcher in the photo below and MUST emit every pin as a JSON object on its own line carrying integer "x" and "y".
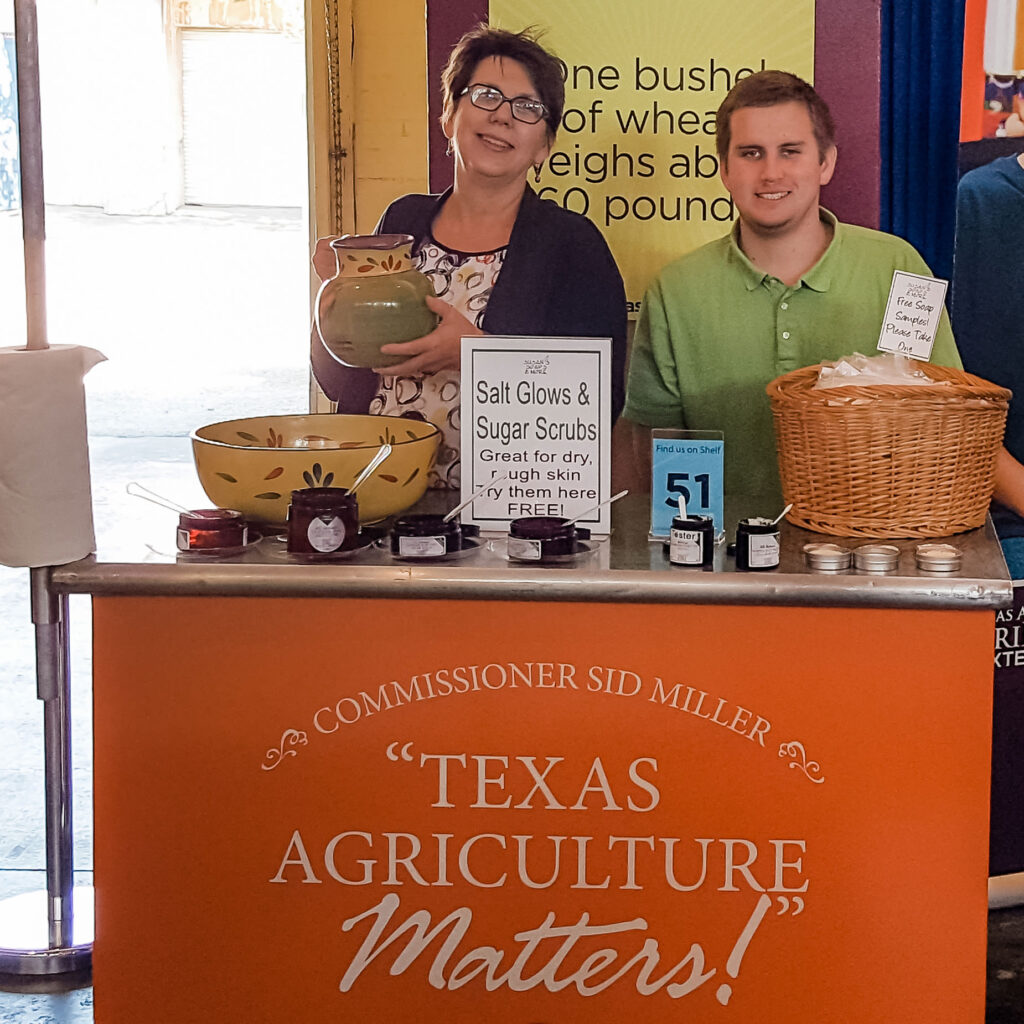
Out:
{"x": 376, "y": 297}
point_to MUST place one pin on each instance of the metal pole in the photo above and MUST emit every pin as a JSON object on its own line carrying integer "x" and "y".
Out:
{"x": 30, "y": 136}
{"x": 21, "y": 917}
{"x": 26, "y": 948}
{"x": 49, "y": 615}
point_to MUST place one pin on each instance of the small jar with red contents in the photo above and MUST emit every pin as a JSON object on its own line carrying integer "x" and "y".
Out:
{"x": 211, "y": 529}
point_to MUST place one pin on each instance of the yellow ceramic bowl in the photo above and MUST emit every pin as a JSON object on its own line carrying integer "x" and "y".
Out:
{"x": 254, "y": 464}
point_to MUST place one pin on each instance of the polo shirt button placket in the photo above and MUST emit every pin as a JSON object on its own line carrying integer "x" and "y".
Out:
{"x": 786, "y": 352}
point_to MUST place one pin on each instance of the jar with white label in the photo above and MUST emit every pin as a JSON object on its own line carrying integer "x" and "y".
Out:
{"x": 757, "y": 544}
{"x": 424, "y": 535}
{"x": 537, "y": 538}
{"x": 322, "y": 521}
{"x": 691, "y": 541}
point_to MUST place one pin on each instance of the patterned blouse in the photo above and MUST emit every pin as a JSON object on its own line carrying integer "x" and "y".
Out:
{"x": 464, "y": 280}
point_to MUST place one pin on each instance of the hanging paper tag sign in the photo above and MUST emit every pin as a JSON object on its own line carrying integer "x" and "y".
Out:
{"x": 912, "y": 314}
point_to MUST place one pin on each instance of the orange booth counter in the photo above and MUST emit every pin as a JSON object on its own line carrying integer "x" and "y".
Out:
{"x": 612, "y": 789}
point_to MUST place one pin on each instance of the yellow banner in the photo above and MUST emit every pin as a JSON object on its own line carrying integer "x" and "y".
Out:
{"x": 636, "y": 151}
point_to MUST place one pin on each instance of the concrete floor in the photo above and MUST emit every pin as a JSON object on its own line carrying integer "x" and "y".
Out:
{"x": 203, "y": 317}
{"x": 1004, "y": 1002}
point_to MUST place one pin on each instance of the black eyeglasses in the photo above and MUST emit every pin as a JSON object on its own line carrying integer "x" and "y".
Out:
{"x": 524, "y": 108}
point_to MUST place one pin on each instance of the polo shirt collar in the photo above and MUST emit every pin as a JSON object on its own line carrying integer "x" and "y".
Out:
{"x": 818, "y": 278}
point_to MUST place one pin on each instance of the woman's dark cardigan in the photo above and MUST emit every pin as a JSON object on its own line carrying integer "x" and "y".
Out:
{"x": 558, "y": 280}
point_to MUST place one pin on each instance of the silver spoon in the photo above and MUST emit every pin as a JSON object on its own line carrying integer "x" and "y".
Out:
{"x": 600, "y": 504}
{"x": 476, "y": 494}
{"x": 136, "y": 490}
{"x": 382, "y": 454}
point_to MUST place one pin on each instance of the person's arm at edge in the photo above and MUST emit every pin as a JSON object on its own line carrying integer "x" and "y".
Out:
{"x": 1009, "y": 482}
{"x": 350, "y": 388}
{"x": 1008, "y": 486}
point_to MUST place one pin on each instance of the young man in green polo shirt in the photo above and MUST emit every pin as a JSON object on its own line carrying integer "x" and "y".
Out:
{"x": 788, "y": 287}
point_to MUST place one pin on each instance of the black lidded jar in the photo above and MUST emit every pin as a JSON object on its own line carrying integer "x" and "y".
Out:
{"x": 692, "y": 541}
{"x": 322, "y": 521}
{"x": 757, "y": 544}
{"x": 534, "y": 538}
{"x": 424, "y": 535}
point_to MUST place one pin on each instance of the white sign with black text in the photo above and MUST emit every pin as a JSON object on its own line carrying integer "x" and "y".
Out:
{"x": 912, "y": 314}
{"x": 539, "y": 410}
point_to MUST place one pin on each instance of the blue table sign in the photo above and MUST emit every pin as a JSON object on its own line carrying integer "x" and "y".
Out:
{"x": 688, "y": 463}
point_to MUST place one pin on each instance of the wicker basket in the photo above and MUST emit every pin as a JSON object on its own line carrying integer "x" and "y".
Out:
{"x": 888, "y": 460}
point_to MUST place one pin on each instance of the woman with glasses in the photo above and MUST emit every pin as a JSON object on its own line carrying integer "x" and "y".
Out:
{"x": 502, "y": 260}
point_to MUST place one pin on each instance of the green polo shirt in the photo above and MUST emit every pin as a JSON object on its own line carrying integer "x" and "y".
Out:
{"x": 714, "y": 330}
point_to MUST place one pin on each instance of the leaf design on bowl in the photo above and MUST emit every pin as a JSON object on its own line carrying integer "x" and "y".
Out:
{"x": 351, "y": 444}
{"x": 227, "y": 476}
{"x": 313, "y": 478}
{"x": 268, "y": 495}
{"x": 412, "y": 476}
{"x": 247, "y": 437}
{"x": 318, "y": 437}
{"x": 387, "y": 476}
{"x": 274, "y": 473}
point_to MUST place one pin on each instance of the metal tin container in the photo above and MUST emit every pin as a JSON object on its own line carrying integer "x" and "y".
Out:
{"x": 692, "y": 541}
{"x": 208, "y": 529}
{"x": 322, "y": 521}
{"x": 757, "y": 544}
{"x": 876, "y": 557}
{"x": 827, "y": 557}
{"x": 938, "y": 557}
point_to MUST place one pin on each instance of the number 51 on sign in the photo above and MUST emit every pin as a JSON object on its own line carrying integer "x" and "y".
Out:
{"x": 687, "y": 464}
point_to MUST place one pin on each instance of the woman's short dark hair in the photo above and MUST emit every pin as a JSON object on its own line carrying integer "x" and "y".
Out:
{"x": 767, "y": 89}
{"x": 544, "y": 69}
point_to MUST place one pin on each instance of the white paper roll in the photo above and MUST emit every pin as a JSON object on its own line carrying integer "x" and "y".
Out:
{"x": 45, "y": 494}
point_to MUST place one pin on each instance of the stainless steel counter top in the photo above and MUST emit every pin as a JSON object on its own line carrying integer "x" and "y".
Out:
{"x": 625, "y": 567}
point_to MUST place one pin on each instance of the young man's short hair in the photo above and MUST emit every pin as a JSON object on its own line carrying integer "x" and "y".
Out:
{"x": 768, "y": 89}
